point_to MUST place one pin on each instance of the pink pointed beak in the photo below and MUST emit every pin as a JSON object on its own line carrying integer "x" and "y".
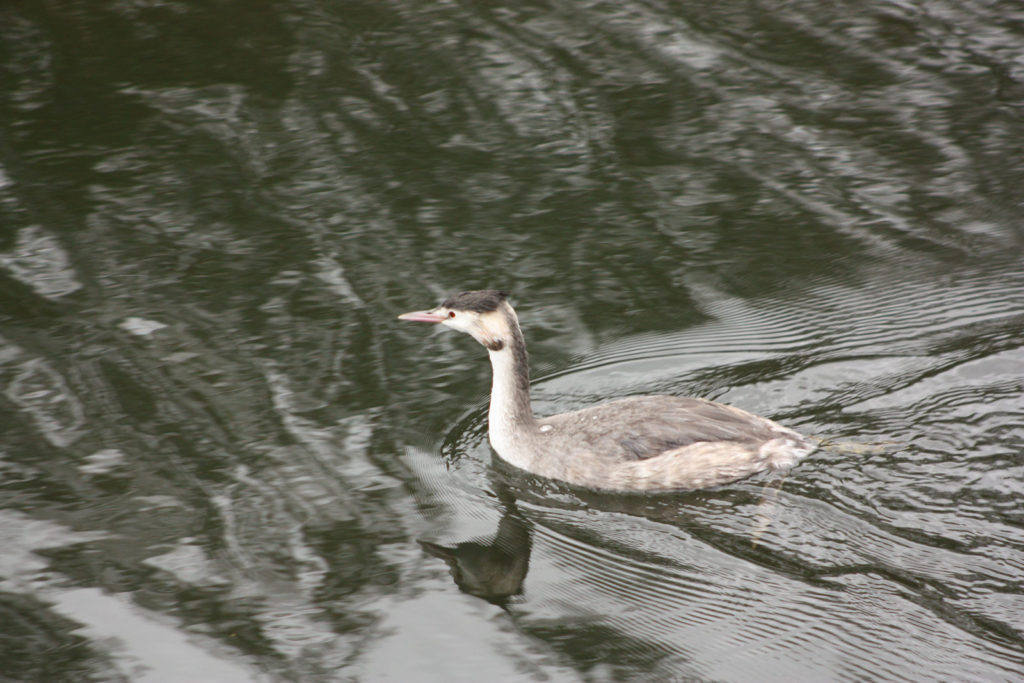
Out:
{"x": 423, "y": 316}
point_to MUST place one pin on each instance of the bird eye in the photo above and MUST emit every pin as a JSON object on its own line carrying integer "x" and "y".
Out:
{"x": 451, "y": 314}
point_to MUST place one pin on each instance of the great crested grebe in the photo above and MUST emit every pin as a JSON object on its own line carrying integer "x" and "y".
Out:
{"x": 641, "y": 443}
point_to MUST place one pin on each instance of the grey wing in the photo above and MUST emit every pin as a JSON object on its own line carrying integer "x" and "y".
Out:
{"x": 644, "y": 427}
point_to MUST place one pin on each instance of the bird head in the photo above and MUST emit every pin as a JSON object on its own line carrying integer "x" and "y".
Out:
{"x": 483, "y": 314}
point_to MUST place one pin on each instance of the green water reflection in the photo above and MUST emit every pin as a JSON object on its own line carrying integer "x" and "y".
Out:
{"x": 220, "y": 458}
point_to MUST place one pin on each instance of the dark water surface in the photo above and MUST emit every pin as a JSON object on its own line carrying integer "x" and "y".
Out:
{"x": 221, "y": 458}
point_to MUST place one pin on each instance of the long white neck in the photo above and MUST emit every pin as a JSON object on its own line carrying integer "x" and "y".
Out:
{"x": 510, "y": 417}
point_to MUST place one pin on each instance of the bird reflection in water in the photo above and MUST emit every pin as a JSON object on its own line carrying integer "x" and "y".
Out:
{"x": 492, "y": 568}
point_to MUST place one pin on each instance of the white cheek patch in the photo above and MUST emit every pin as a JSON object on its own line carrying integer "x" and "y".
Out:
{"x": 492, "y": 328}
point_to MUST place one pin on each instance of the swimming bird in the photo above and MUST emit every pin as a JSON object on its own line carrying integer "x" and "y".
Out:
{"x": 639, "y": 443}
